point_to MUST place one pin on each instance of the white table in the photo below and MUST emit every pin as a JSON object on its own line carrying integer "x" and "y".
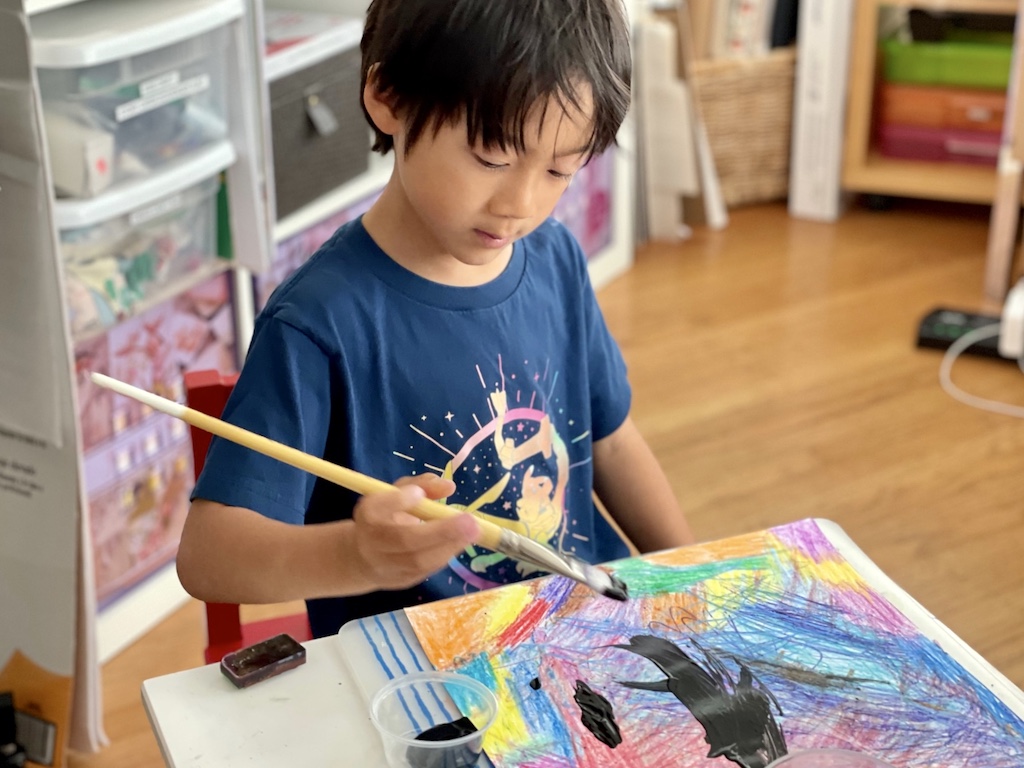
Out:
{"x": 300, "y": 717}
{"x": 316, "y": 714}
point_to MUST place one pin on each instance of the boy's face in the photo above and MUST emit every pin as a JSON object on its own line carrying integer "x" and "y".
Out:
{"x": 468, "y": 204}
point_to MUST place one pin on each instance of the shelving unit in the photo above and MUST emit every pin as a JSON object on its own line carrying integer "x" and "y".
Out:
{"x": 82, "y": 44}
{"x": 865, "y": 170}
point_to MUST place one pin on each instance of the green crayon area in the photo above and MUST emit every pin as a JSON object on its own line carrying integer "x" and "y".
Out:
{"x": 649, "y": 579}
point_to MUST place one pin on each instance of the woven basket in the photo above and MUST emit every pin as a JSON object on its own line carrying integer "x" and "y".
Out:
{"x": 747, "y": 109}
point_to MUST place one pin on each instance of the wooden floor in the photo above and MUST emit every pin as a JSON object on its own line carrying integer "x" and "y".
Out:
{"x": 776, "y": 377}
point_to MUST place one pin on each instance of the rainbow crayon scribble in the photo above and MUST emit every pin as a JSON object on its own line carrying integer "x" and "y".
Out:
{"x": 846, "y": 667}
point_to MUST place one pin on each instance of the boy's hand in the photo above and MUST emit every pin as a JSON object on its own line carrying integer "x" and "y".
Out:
{"x": 396, "y": 550}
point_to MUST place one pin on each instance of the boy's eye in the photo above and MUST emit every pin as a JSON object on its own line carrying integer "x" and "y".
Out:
{"x": 488, "y": 163}
{"x": 561, "y": 176}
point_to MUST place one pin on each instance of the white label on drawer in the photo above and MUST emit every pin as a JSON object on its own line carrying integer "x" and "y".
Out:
{"x": 159, "y": 91}
{"x": 161, "y": 83}
{"x": 980, "y": 114}
{"x": 141, "y": 216}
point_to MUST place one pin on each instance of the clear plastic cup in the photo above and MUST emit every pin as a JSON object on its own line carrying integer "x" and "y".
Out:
{"x": 433, "y": 719}
{"x": 828, "y": 758}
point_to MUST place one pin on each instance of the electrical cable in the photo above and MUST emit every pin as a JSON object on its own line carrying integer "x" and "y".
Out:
{"x": 953, "y": 352}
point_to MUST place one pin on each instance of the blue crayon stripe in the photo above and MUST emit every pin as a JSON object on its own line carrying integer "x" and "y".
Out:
{"x": 387, "y": 671}
{"x": 376, "y": 650}
{"x": 394, "y": 654}
{"x": 442, "y": 705}
{"x": 391, "y": 647}
{"x": 405, "y": 640}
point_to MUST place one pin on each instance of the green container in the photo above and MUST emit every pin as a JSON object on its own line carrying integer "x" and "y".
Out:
{"x": 954, "y": 63}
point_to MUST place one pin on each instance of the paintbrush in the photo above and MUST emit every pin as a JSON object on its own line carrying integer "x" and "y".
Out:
{"x": 491, "y": 536}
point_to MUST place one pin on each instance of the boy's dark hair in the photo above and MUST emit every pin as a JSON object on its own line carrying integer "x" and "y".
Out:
{"x": 493, "y": 61}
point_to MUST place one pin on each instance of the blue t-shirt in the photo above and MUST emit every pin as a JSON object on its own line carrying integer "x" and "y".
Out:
{"x": 502, "y": 387}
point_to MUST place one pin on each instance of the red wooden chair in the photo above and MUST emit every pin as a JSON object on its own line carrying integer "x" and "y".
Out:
{"x": 207, "y": 391}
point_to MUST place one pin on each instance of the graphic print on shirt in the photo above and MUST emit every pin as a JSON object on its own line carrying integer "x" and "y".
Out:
{"x": 511, "y": 467}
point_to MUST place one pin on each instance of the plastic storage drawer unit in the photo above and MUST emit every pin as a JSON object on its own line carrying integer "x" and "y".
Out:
{"x": 123, "y": 250}
{"x": 320, "y": 137}
{"x": 126, "y": 90}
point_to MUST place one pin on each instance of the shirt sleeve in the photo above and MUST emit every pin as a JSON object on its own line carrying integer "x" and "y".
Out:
{"x": 283, "y": 393}
{"x": 610, "y": 392}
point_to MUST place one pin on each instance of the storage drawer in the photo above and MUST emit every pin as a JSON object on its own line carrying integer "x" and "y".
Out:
{"x": 320, "y": 136}
{"x": 968, "y": 109}
{"x": 112, "y": 121}
{"x": 937, "y": 144}
{"x": 121, "y": 251}
{"x": 965, "y": 64}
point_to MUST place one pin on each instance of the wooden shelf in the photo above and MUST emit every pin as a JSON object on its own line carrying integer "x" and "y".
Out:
{"x": 864, "y": 170}
{"x": 882, "y": 175}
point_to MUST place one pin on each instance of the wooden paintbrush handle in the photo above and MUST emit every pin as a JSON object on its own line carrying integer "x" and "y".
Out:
{"x": 490, "y": 534}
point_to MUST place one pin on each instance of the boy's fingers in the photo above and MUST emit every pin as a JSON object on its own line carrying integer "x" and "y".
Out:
{"x": 435, "y": 487}
{"x": 460, "y": 532}
{"x": 394, "y": 509}
{"x": 401, "y": 554}
{"x": 427, "y": 548}
{"x": 390, "y": 508}
{"x": 449, "y": 535}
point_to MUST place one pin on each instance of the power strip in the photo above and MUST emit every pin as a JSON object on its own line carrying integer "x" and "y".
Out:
{"x": 1011, "y": 332}
{"x": 942, "y": 326}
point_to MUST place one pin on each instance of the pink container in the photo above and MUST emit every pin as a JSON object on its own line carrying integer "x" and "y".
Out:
{"x": 912, "y": 142}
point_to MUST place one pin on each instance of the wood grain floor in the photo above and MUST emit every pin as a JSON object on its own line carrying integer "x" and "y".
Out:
{"x": 775, "y": 376}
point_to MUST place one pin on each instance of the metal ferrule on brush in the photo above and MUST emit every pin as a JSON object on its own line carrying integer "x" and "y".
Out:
{"x": 545, "y": 558}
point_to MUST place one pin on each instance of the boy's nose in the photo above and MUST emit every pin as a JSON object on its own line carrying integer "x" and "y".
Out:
{"x": 514, "y": 200}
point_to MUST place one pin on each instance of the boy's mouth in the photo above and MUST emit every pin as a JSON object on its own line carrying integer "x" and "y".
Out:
{"x": 491, "y": 240}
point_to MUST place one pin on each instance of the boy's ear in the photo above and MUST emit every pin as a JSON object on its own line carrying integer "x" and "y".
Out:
{"x": 378, "y": 105}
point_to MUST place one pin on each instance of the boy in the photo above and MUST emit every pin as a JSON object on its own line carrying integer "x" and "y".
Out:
{"x": 450, "y": 336}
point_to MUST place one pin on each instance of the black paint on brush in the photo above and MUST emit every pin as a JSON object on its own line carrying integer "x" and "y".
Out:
{"x": 736, "y": 715}
{"x": 597, "y": 715}
{"x": 617, "y": 590}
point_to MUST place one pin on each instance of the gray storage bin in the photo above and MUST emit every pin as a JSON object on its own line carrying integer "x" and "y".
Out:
{"x": 320, "y": 137}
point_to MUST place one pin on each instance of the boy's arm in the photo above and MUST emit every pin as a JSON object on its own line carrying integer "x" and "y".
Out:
{"x": 236, "y": 555}
{"x": 633, "y": 488}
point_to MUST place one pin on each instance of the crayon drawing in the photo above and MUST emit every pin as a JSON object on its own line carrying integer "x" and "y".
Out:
{"x": 732, "y": 653}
